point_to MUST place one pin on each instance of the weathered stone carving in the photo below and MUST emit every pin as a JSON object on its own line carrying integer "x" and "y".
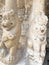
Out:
{"x": 14, "y": 40}
{"x": 37, "y": 34}
{"x": 11, "y": 26}
{"x": 10, "y": 51}
{"x": 37, "y": 38}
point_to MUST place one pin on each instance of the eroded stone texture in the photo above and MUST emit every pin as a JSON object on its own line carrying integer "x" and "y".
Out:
{"x": 23, "y": 39}
{"x": 37, "y": 34}
{"x": 37, "y": 39}
{"x": 1, "y": 7}
{"x": 11, "y": 25}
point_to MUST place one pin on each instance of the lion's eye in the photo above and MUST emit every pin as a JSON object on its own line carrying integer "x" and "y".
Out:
{"x": 11, "y": 23}
{"x": 42, "y": 31}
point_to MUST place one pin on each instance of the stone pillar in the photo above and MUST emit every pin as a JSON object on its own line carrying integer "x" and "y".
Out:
{"x": 37, "y": 33}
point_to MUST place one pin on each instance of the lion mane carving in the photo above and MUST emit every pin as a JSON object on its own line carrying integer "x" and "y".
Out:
{"x": 11, "y": 27}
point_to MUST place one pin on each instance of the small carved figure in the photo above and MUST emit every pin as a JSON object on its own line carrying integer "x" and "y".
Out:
{"x": 37, "y": 37}
{"x": 11, "y": 27}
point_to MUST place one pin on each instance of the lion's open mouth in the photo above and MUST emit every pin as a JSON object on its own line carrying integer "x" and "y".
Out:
{"x": 4, "y": 26}
{"x": 7, "y": 27}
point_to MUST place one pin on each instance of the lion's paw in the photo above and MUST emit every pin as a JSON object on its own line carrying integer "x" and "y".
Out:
{"x": 10, "y": 58}
{"x": 2, "y": 53}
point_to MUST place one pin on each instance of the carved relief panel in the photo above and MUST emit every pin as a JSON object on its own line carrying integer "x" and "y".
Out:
{"x": 24, "y": 28}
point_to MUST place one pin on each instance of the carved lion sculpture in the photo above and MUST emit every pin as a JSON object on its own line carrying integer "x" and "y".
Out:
{"x": 37, "y": 37}
{"x": 11, "y": 27}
